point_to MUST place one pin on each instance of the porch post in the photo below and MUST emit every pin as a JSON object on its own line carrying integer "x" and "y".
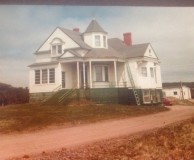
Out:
{"x": 90, "y": 65}
{"x": 78, "y": 75}
{"x": 84, "y": 74}
{"x": 115, "y": 69}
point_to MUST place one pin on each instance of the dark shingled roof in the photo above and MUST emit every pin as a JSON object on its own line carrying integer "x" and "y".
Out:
{"x": 102, "y": 53}
{"x": 76, "y": 36}
{"x": 116, "y": 47}
{"x": 125, "y": 51}
{"x": 43, "y": 63}
{"x": 94, "y": 27}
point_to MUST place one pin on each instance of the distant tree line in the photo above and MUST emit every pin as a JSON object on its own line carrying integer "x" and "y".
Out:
{"x": 13, "y": 95}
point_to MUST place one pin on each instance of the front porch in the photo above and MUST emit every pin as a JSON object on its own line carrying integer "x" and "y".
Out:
{"x": 93, "y": 74}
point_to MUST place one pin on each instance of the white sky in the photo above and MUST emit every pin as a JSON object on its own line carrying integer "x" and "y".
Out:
{"x": 169, "y": 30}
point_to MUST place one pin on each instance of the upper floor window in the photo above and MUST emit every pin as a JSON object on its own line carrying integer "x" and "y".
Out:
{"x": 152, "y": 72}
{"x": 144, "y": 72}
{"x": 104, "y": 41}
{"x": 56, "y": 49}
{"x": 56, "y": 46}
{"x": 97, "y": 41}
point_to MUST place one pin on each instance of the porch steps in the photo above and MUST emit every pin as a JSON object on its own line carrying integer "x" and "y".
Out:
{"x": 66, "y": 96}
{"x": 133, "y": 85}
{"x": 60, "y": 97}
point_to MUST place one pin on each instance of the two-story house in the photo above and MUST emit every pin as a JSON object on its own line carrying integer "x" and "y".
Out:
{"x": 111, "y": 70}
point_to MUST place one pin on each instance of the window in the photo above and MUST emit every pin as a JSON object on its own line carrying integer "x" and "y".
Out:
{"x": 155, "y": 73}
{"x": 44, "y": 76}
{"x": 175, "y": 93}
{"x": 101, "y": 73}
{"x": 97, "y": 41}
{"x": 144, "y": 71}
{"x": 104, "y": 41}
{"x": 146, "y": 96}
{"x": 150, "y": 52}
{"x": 52, "y": 75}
{"x": 152, "y": 72}
{"x": 57, "y": 49}
{"x": 37, "y": 76}
{"x": 153, "y": 96}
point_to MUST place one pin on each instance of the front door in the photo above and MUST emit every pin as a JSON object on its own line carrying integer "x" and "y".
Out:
{"x": 63, "y": 80}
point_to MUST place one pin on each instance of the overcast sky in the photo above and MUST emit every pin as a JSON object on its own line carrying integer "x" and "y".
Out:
{"x": 169, "y": 30}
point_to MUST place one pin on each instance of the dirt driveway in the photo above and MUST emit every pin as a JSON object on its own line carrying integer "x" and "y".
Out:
{"x": 53, "y": 139}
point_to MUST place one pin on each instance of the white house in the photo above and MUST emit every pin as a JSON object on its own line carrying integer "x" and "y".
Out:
{"x": 177, "y": 91}
{"x": 69, "y": 59}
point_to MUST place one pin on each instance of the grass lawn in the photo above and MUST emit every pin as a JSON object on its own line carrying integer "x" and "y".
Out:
{"x": 33, "y": 117}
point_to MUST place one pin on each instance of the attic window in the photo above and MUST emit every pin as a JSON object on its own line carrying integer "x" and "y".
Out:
{"x": 56, "y": 49}
{"x": 56, "y": 46}
{"x": 150, "y": 52}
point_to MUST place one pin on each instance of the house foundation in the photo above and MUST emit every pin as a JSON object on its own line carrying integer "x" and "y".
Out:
{"x": 98, "y": 95}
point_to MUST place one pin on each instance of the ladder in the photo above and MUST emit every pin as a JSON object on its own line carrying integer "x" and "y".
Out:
{"x": 133, "y": 84}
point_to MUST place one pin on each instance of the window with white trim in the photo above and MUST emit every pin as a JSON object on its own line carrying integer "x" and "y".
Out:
{"x": 152, "y": 72}
{"x": 44, "y": 76}
{"x": 104, "y": 41}
{"x": 97, "y": 40}
{"x": 37, "y": 76}
{"x": 146, "y": 96}
{"x": 101, "y": 73}
{"x": 155, "y": 73}
{"x": 51, "y": 75}
{"x": 56, "y": 49}
{"x": 144, "y": 72}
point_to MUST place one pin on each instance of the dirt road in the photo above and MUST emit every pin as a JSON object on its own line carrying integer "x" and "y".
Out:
{"x": 53, "y": 139}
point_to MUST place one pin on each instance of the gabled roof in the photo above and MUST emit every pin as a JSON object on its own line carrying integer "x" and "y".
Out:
{"x": 71, "y": 51}
{"x": 94, "y": 27}
{"x": 76, "y": 36}
{"x": 125, "y": 51}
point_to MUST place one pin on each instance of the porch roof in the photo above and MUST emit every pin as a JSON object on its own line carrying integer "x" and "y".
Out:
{"x": 43, "y": 63}
{"x": 102, "y": 53}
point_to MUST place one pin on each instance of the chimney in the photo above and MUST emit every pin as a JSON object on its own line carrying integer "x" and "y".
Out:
{"x": 76, "y": 29}
{"x": 127, "y": 39}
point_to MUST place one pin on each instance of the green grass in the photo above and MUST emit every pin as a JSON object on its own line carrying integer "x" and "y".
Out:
{"x": 33, "y": 117}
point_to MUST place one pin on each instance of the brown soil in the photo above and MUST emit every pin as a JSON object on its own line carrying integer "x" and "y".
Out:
{"x": 45, "y": 141}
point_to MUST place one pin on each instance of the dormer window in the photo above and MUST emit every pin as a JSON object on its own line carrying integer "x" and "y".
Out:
{"x": 97, "y": 40}
{"x": 56, "y": 49}
{"x": 56, "y": 46}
